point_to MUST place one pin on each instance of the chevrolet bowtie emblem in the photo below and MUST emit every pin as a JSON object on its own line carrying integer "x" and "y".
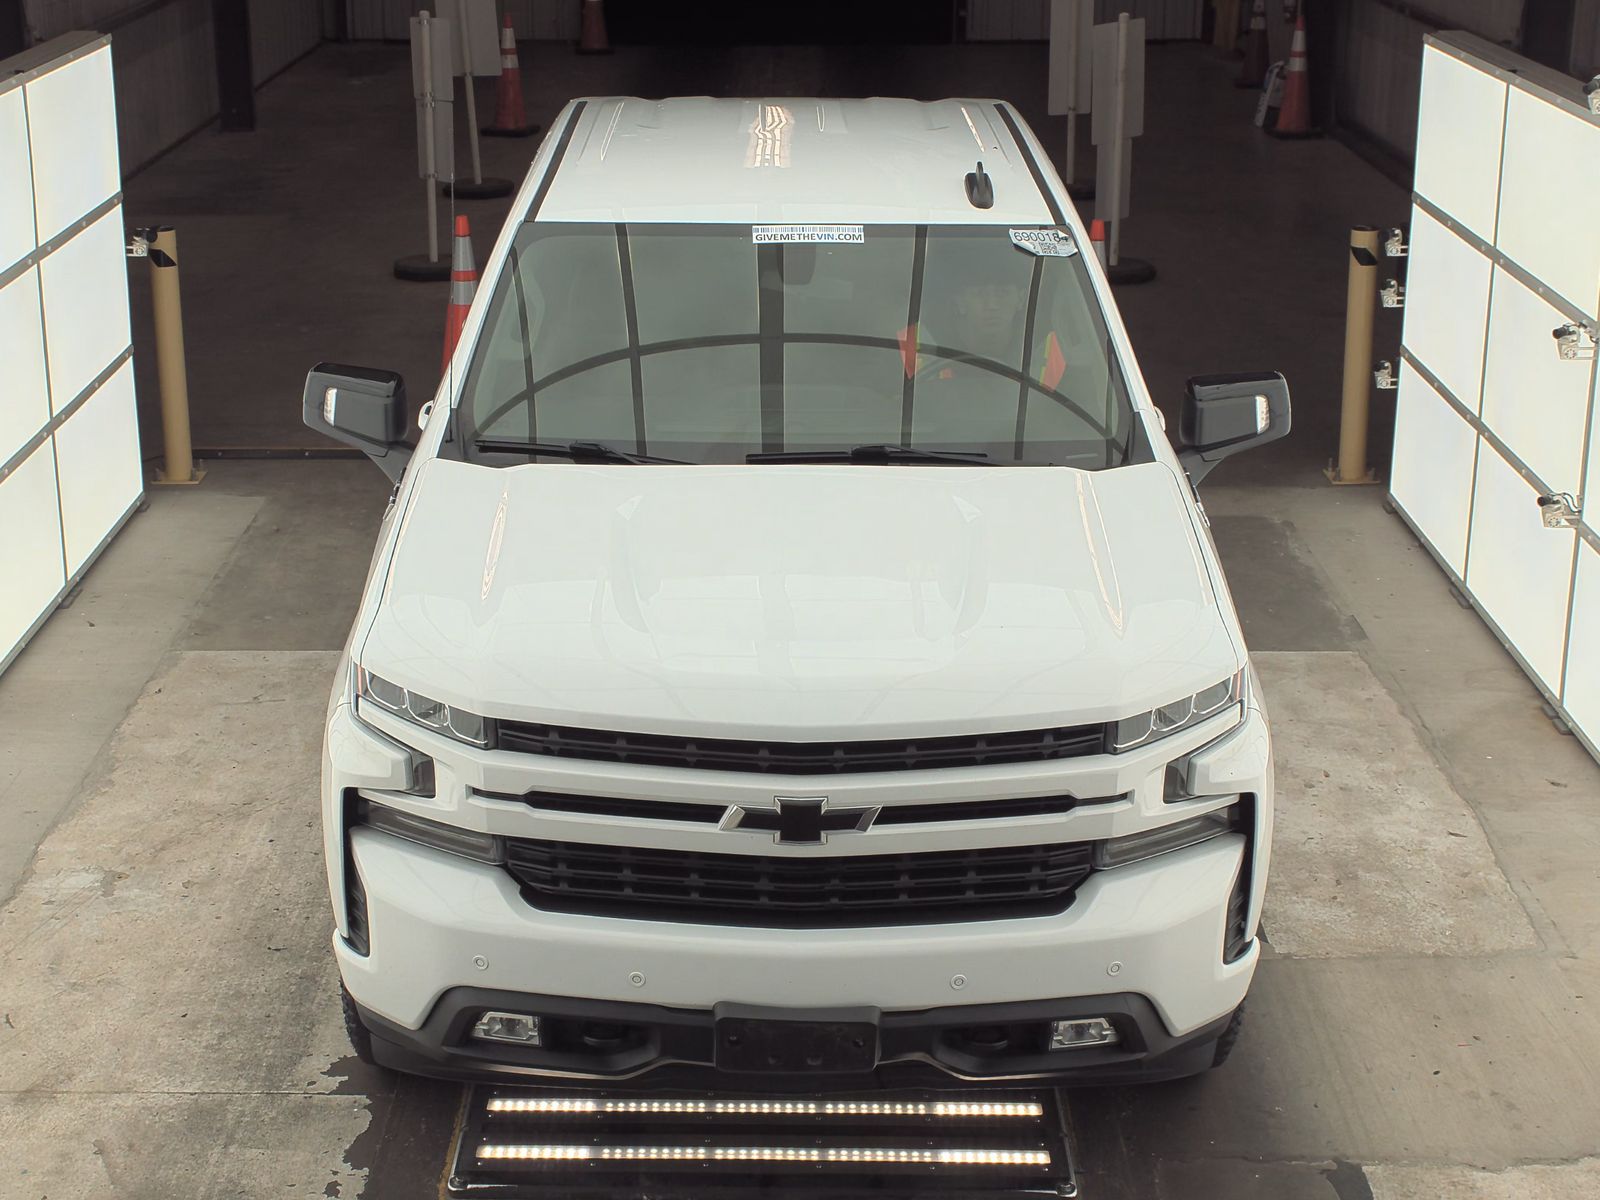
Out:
{"x": 800, "y": 820}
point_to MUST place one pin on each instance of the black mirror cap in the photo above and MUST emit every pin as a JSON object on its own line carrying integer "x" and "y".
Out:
{"x": 362, "y": 407}
{"x": 1224, "y": 414}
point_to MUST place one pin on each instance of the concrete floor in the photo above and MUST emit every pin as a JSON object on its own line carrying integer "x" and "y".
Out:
{"x": 1424, "y": 1024}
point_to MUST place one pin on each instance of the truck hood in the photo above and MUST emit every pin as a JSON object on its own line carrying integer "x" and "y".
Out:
{"x": 799, "y": 602}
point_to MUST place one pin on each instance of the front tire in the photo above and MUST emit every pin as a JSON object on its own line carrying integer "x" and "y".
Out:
{"x": 360, "y": 1037}
{"x": 1228, "y": 1038}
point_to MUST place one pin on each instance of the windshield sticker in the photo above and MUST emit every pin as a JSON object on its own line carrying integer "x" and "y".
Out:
{"x": 811, "y": 234}
{"x": 1047, "y": 243}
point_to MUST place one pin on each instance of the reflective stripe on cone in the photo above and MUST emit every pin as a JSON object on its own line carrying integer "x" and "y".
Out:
{"x": 463, "y": 286}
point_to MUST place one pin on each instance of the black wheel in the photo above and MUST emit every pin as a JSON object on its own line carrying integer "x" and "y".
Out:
{"x": 360, "y": 1039}
{"x": 1230, "y": 1035}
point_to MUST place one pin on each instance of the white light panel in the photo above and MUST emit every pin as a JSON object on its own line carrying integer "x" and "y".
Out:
{"x": 16, "y": 181}
{"x": 72, "y": 128}
{"x": 1447, "y": 306}
{"x": 1549, "y": 196}
{"x": 30, "y": 546}
{"x": 1458, "y": 140}
{"x": 1582, "y": 695}
{"x": 85, "y": 284}
{"x": 98, "y": 455}
{"x": 1517, "y": 569}
{"x": 1432, "y": 472}
{"x": 1535, "y": 401}
{"x": 63, "y": 323}
{"x": 24, "y": 406}
{"x": 1516, "y": 168}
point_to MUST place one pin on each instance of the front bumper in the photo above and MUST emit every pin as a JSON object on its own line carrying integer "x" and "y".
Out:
{"x": 443, "y": 928}
{"x": 438, "y": 922}
{"x": 673, "y": 1048}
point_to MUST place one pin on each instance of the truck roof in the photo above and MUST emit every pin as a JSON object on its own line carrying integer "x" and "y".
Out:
{"x": 699, "y": 159}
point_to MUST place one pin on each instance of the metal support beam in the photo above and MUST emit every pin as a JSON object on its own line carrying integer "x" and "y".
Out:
{"x": 236, "y": 93}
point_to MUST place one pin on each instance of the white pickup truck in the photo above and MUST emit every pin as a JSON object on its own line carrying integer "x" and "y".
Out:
{"x": 794, "y": 656}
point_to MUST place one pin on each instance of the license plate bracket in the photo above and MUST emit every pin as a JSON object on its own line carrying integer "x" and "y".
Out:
{"x": 756, "y": 1040}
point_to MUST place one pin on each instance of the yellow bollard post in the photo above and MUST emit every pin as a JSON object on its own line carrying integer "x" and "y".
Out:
{"x": 1360, "y": 303}
{"x": 167, "y": 311}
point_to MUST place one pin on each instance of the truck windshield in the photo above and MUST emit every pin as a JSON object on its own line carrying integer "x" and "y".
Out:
{"x": 710, "y": 343}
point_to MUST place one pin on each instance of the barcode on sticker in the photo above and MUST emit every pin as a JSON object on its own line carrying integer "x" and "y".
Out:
{"x": 766, "y": 234}
{"x": 1051, "y": 243}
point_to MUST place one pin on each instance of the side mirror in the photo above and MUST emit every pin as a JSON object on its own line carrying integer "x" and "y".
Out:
{"x": 361, "y": 407}
{"x": 1224, "y": 414}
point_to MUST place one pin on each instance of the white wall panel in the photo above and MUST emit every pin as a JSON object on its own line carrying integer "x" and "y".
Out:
{"x": 1582, "y": 695}
{"x": 24, "y": 405}
{"x": 1550, "y": 198}
{"x": 1521, "y": 190}
{"x": 1432, "y": 472}
{"x": 30, "y": 550}
{"x": 1535, "y": 402}
{"x": 1458, "y": 140}
{"x": 69, "y": 473}
{"x": 100, "y": 479}
{"x": 1447, "y": 305}
{"x": 72, "y": 131}
{"x": 16, "y": 181}
{"x": 85, "y": 285}
{"x": 1517, "y": 569}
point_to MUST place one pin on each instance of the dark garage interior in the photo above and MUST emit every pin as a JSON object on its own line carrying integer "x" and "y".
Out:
{"x": 1422, "y": 1021}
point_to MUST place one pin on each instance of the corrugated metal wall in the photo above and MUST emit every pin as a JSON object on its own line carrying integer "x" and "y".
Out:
{"x": 280, "y": 32}
{"x": 1029, "y": 20}
{"x": 1378, "y": 77}
{"x": 1586, "y": 39}
{"x": 552, "y": 20}
{"x": 166, "y": 79}
{"x": 164, "y": 58}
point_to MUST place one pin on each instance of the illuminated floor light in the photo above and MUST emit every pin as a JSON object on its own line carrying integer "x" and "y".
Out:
{"x": 576, "y": 1106}
{"x": 968, "y": 1157}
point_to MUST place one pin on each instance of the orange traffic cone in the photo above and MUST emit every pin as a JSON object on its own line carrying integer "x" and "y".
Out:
{"x": 1254, "y": 68}
{"x": 463, "y": 286}
{"x": 1294, "y": 117}
{"x": 509, "y": 120}
{"x": 592, "y": 38}
{"x": 1097, "y": 239}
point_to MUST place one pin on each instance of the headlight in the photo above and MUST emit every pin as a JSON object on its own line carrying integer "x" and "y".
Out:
{"x": 1180, "y": 714}
{"x": 419, "y": 710}
{"x": 1135, "y": 847}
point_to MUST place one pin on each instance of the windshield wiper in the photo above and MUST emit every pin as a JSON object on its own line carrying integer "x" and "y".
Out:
{"x": 875, "y": 453}
{"x": 578, "y": 451}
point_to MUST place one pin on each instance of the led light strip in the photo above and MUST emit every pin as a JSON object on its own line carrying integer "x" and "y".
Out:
{"x": 808, "y": 1154}
{"x": 853, "y": 1108}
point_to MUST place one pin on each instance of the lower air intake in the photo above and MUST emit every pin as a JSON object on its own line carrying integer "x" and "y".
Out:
{"x": 810, "y": 892}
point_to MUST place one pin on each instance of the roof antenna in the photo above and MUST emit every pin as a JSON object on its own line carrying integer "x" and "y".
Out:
{"x": 980, "y": 188}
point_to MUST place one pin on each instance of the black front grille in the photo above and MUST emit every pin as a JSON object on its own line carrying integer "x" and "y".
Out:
{"x": 736, "y": 889}
{"x": 802, "y": 758}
